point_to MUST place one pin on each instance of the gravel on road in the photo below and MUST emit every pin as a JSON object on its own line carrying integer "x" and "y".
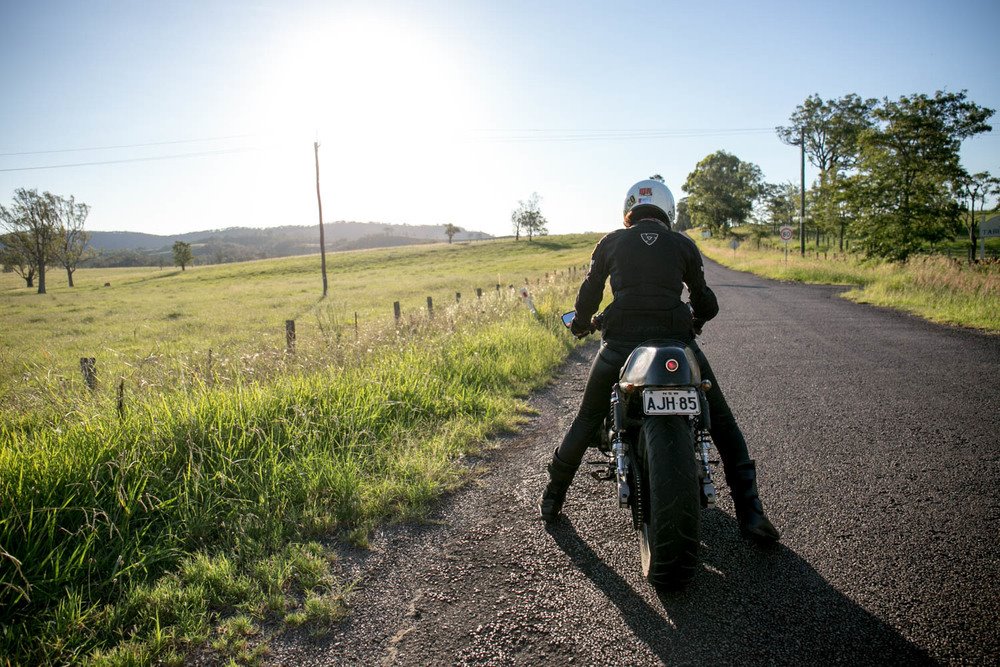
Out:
{"x": 876, "y": 436}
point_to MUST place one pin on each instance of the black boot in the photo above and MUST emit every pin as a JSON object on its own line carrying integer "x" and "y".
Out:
{"x": 560, "y": 476}
{"x": 749, "y": 510}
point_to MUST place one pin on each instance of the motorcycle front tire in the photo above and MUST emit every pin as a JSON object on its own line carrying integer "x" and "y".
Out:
{"x": 670, "y": 533}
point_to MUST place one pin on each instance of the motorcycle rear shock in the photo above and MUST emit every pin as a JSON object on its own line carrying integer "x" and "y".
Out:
{"x": 618, "y": 447}
{"x": 708, "y": 495}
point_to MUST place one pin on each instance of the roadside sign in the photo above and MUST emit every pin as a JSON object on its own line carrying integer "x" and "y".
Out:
{"x": 786, "y": 233}
{"x": 988, "y": 229}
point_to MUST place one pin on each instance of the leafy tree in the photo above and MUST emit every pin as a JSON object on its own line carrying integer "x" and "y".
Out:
{"x": 450, "y": 230}
{"x": 182, "y": 254}
{"x": 779, "y": 204}
{"x": 528, "y": 217}
{"x": 976, "y": 187}
{"x": 14, "y": 258}
{"x": 722, "y": 190}
{"x": 71, "y": 242}
{"x": 900, "y": 198}
{"x": 831, "y": 130}
{"x": 683, "y": 215}
{"x": 32, "y": 224}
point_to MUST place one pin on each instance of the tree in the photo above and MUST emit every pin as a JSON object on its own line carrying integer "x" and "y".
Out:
{"x": 528, "y": 217}
{"x": 71, "y": 242}
{"x": 182, "y": 254}
{"x": 722, "y": 190}
{"x": 900, "y": 198}
{"x": 683, "y": 215}
{"x": 780, "y": 204}
{"x": 14, "y": 258}
{"x": 831, "y": 130}
{"x": 450, "y": 230}
{"x": 32, "y": 222}
{"x": 976, "y": 187}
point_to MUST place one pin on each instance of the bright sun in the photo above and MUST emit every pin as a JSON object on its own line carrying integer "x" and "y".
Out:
{"x": 367, "y": 81}
{"x": 383, "y": 98}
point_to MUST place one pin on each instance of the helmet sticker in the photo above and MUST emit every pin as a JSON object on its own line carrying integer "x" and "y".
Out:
{"x": 650, "y": 239}
{"x": 645, "y": 200}
{"x": 630, "y": 202}
{"x": 646, "y": 192}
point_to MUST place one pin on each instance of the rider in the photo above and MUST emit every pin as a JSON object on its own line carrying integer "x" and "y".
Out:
{"x": 649, "y": 265}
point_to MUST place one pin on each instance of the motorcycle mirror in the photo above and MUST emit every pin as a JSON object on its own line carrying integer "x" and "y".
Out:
{"x": 567, "y": 318}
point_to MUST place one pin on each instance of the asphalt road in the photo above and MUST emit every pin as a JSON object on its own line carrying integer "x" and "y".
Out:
{"x": 877, "y": 438}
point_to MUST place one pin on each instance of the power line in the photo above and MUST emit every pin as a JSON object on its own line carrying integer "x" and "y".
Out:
{"x": 606, "y": 135}
{"x": 227, "y": 151}
{"x": 514, "y": 133}
{"x": 119, "y": 146}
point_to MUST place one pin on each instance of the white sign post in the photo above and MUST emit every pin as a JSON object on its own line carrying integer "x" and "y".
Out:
{"x": 988, "y": 228}
{"x": 786, "y": 235}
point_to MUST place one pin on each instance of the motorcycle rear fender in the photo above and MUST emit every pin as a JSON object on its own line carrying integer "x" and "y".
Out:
{"x": 647, "y": 366}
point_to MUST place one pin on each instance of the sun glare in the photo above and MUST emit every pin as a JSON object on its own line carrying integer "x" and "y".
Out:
{"x": 383, "y": 98}
{"x": 368, "y": 81}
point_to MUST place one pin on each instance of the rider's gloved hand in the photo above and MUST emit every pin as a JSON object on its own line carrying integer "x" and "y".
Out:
{"x": 580, "y": 329}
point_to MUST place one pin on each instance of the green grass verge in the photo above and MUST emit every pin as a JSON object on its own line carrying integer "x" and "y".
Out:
{"x": 936, "y": 288}
{"x": 192, "y": 520}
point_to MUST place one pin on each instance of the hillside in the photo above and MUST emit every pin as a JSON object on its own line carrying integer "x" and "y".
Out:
{"x": 236, "y": 244}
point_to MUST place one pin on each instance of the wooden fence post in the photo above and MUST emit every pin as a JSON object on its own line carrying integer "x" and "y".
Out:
{"x": 430, "y": 306}
{"x": 498, "y": 288}
{"x": 355, "y": 322}
{"x": 458, "y": 297}
{"x": 395, "y": 311}
{"x": 479, "y": 292}
{"x": 88, "y": 366}
{"x": 208, "y": 370}
{"x": 290, "y": 336}
{"x": 121, "y": 398}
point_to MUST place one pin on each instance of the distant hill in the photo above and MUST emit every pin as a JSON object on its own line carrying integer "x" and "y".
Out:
{"x": 243, "y": 243}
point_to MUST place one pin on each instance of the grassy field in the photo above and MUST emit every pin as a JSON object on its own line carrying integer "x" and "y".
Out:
{"x": 948, "y": 291}
{"x": 150, "y": 318}
{"x": 192, "y": 516}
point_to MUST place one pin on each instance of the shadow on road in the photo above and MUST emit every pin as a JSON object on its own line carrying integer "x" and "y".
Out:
{"x": 747, "y": 605}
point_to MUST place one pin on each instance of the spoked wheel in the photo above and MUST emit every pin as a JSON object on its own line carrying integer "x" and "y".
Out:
{"x": 670, "y": 531}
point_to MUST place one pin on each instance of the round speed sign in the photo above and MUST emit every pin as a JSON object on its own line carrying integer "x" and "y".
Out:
{"x": 786, "y": 233}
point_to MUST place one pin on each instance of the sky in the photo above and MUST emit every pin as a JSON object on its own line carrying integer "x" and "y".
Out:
{"x": 180, "y": 116}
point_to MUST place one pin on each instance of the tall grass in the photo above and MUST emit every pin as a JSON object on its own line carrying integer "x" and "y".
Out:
{"x": 150, "y": 317}
{"x": 939, "y": 289}
{"x": 128, "y": 536}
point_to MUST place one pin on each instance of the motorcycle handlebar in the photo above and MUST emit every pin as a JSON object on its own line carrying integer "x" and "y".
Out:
{"x": 597, "y": 322}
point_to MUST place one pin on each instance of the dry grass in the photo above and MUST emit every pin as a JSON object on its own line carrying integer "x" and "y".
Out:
{"x": 936, "y": 288}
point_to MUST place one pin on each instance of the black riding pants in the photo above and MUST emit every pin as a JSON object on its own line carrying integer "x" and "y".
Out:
{"x": 604, "y": 373}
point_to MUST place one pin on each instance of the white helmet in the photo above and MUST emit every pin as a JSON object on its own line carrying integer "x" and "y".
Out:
{"x": 651, "y": 193}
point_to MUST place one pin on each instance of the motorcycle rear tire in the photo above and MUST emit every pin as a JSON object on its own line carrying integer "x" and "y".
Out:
{"x": 670, "y": 535}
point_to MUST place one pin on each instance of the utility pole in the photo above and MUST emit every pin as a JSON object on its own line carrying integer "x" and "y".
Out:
{"x": 319, "y": 201}
{"x": 802, "y": 195}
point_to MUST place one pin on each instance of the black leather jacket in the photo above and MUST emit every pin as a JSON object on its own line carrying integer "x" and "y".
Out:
{"x": 649, "y": 266}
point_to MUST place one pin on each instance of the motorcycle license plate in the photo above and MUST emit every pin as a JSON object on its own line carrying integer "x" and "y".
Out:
{"x": 670, "y": 402}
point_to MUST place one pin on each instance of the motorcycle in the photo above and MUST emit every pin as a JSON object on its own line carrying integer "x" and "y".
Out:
{"x": 656, "y": 446}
